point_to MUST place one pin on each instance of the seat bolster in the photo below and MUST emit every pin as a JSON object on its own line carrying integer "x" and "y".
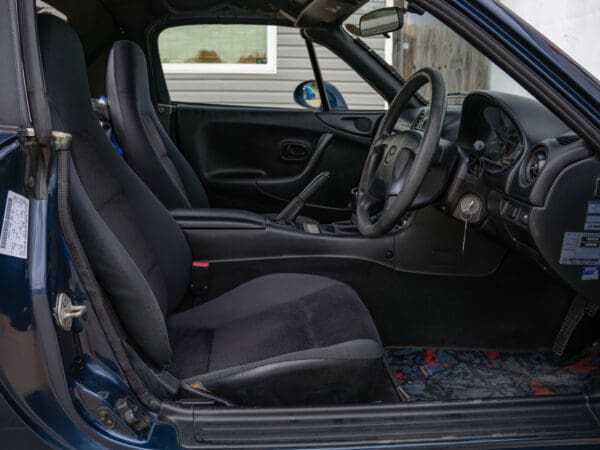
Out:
{"x": 132, "y": 297}
{"x": 339, "y": 373}
{"x": 196, "y": 194}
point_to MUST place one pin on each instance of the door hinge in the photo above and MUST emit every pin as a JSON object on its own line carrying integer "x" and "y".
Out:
{"x": 65, "y": 311}
{"x": 133, "y": 413}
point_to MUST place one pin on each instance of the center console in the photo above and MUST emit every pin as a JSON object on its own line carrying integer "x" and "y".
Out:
{"x": 226, "y": 234}
{"x": 417, "y": 246}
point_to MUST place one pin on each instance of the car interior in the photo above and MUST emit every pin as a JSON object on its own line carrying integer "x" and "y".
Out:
{"x": 257, "y": 256}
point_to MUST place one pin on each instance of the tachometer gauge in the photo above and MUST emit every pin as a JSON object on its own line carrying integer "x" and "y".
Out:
{"x": 503, "y": 145}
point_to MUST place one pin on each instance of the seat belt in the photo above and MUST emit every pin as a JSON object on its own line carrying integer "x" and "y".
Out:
{"x": 102, "y": 111}
{"x": 579, "y": 309}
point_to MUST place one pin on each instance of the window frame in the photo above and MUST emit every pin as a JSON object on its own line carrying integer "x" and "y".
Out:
{"x": 270, "y": 68}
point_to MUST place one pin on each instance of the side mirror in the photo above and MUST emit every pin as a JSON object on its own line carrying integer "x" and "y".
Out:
{"x": 308, "y": 96}
{"x": 381, "y": 21}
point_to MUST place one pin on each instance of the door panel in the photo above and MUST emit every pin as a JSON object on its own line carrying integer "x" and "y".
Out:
{"x": 260, "y": 158}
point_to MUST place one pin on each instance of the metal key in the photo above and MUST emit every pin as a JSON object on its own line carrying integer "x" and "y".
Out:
{"x": 466, "y": 217}
{"x": 470, "y": 206}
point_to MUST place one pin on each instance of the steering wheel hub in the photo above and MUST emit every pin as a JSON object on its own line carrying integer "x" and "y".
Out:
{"x": 390, "y": 155}
{"x": 398, "y": 162}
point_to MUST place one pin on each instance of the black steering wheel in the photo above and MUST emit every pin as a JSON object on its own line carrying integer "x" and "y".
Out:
{"x": 398, "y": 162}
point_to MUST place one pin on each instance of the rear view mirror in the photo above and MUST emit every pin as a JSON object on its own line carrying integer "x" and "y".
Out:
{"x": 381, "y": 21}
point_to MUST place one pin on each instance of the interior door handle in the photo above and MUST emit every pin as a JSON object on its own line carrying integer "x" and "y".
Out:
{"x": 294, "y": 151}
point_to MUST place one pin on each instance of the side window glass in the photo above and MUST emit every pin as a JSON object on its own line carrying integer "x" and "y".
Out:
{"x": 346, "y": 90}
{"x": 342, "y": 80}
{"x": 245, "y": 65}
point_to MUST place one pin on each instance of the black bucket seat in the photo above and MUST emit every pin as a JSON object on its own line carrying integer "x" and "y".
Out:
{"x": 277, "y": 339}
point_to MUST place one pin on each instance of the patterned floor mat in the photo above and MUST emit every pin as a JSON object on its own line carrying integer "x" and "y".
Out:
{"x": 446, "y": 374}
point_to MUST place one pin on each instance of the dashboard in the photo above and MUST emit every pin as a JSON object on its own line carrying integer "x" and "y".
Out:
{"x": 535, "y": 183}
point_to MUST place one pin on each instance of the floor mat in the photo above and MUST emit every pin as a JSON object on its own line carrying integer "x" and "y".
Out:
{"x": 446, "y": 374}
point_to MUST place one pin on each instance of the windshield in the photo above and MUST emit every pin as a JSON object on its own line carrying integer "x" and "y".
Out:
{"x": 425, "y": 41}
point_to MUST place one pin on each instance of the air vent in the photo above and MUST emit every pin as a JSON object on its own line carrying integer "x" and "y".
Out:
{"x": 536, "y": 163}
{"x": 421, "y": 121}
{"x": 567, "y": 139}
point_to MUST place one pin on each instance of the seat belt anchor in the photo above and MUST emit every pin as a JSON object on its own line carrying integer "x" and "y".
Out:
{"x": 200, "y": 277}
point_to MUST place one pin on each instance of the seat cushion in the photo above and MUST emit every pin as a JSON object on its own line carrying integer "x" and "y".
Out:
{"x": 280, "y": 339}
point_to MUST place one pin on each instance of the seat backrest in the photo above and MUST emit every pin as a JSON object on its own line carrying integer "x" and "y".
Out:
{"x": 147, "y": 147}
{"x": 136, "y": 250}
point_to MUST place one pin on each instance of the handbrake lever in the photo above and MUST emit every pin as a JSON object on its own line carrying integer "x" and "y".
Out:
{"x": 293, "y": 208}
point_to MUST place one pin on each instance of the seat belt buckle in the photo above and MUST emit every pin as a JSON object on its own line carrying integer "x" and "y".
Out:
{"x": 200, "y": 277}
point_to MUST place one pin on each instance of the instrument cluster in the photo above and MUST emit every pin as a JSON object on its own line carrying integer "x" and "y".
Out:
{"x": 498, "y": 139}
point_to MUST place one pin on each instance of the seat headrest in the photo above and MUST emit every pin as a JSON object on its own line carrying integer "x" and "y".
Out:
{"x": 65, "y": 74}
{"x": 127, "y": 73}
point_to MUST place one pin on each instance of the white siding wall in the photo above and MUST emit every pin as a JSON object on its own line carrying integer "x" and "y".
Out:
{"x": 293, "y": 66}
{"x": 356, "y": 91}
{"x": 276, "y": 90}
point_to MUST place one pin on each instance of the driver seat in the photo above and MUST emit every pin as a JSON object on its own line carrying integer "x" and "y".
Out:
{"x": 277, "y": 339}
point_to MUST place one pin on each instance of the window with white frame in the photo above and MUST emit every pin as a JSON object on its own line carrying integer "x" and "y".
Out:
{"x": 226, "y": 49}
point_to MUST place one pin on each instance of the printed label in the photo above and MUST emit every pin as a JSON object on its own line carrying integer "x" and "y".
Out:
{"x": 592, "y": 225}
{"x": 590, "y": 273}
{"x": 592, "y": 220}
{"x": 594, "y": 207}
{"x": 15, "y": 226}
{"x": 580, "y": 249}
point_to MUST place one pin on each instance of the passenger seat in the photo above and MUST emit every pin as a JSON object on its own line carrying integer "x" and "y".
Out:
{"x": 145, "y": 144}
{"x": 147, "y": 147}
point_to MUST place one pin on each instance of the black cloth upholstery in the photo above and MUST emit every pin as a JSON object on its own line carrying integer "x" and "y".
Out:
{"x": 138, "y": 253}
{"x": 147, "y": 147}
{"x": 276, "y": 320}
{"x": 276, "y": 339}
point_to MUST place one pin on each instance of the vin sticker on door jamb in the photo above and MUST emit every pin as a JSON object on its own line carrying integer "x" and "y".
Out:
{"x": 15, "y": 226}
{"x": 580, "y": 249}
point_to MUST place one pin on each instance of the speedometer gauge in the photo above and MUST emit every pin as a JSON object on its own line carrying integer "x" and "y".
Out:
{"x": 503, "y": 144}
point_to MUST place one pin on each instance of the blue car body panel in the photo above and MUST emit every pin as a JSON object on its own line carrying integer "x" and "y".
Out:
{"x": 29, "y": 287}
{"x": 57, "y": 393}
